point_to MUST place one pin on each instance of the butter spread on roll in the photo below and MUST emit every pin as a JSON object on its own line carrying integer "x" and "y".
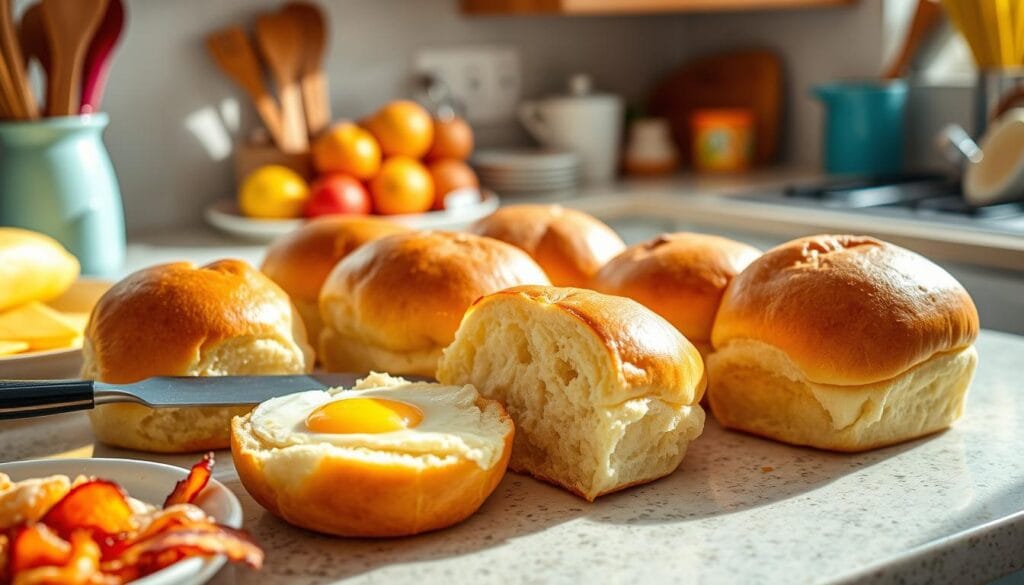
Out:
{"x": 603, "y": 391}
{"x": 842, "y": 342}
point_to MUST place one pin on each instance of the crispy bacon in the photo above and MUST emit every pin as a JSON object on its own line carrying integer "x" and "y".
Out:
{"x": 35, "y": 545}
{"x": 186, "y": 490}
{"x": 97, "y": 505}
{"x": 92, "y": 536}
{"x": 205, "y": 539}
{"x": 81, "y": 566}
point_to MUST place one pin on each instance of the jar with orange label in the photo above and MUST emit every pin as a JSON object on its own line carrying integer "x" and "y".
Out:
{"x": 723, "y": 139}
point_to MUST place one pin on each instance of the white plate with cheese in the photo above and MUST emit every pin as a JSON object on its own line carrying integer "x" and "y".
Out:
{"x": 60, "y": 362}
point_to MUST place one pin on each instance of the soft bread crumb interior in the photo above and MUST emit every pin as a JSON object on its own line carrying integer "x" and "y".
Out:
{"x": 755, "y": 387}
{"x": 554, "y": 376}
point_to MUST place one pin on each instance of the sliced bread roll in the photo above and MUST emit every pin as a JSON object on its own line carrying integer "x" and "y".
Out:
{"x": 603, "y": 391}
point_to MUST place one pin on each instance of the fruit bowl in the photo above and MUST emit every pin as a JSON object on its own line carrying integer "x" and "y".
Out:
{"x": 225, "y": 217}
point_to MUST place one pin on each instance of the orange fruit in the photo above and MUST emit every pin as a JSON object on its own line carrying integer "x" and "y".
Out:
{"x": 453, "y": 138}
{"x": 402, "y": 128}
{"x": 403, "y": 185}
{"x": 347, "y": 148}
{"x": 450, "y": 175}
{"x": 273, "y": 192}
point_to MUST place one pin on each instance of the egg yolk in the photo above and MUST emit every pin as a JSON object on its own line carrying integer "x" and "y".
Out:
{"x": 363, "y": 415}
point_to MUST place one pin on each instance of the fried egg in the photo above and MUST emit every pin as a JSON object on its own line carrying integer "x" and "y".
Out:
{"x": 384, "y": 414}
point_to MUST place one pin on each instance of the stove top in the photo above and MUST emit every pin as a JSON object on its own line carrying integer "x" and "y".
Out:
{"x": 925, "y": 197}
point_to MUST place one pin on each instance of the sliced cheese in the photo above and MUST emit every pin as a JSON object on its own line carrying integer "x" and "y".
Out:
{"x": 37, "y": 325}
{"x": 12, "y": 347}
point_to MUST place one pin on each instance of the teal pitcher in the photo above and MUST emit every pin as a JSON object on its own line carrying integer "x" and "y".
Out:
{"x": 864, "y": 126}
{"x": 56, "y": 178}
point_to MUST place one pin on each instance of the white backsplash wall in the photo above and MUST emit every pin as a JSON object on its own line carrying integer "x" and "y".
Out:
{"x": 163, "y": 86}
{"x": 169, "y": 105}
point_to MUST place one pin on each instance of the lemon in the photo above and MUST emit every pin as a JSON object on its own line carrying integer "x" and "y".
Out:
{"x": 273, "y": 192}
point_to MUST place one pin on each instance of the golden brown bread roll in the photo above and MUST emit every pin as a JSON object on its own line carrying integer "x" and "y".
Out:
{"x": 33, "y": 267}
{"x": 844, "y": 343}
{"x": 680, "y": 276}
{"x": 603, "y": 391}
{"x": 571, "y": 246}
{"x": 395, "y": 303}
{"x": 225, "y": 318}
{"x": 300, "y": 261}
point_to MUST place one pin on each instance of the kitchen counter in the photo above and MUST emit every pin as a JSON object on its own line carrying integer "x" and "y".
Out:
{"x": 947, "y": 508}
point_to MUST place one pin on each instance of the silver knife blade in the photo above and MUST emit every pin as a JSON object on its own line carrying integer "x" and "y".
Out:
{"x": 218, "y": 390}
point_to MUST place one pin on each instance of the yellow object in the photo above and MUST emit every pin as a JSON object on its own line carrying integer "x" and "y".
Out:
{"x": 347, "y": 148}
{"x": 39, "y": 326}
{"x": 723, "y": 139}
{"x": 33, "y": 267}
{"x": 273, "y": 192}
{"x": 12, "y": 347}
{"x": 403, "y": 128}
{"x": 364, "y": 415}
{"x": 403, "y": 185}
{"x": 994, "y": 30}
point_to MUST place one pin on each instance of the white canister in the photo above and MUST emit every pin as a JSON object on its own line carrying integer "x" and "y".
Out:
{"x": 649, "y": 148}
{"x": 588, "y": 123}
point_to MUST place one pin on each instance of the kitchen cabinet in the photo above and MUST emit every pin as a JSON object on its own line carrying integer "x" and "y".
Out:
{"x": 583, "y": 7}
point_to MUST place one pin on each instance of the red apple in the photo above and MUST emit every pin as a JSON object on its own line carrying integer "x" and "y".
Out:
{"x": 337, "y": 194}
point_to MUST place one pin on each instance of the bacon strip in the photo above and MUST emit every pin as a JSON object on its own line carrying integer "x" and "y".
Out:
{"x": 186, "y": 490}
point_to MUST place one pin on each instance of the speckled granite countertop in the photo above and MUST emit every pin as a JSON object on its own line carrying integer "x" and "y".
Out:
{"x": 740, "y": 509}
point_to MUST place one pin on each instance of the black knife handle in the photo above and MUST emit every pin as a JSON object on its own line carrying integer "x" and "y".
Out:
{"x": 27, "y": 398}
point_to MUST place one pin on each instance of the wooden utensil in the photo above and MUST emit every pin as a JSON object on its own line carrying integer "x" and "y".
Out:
{"x": 234, "y": 54}
{"x": 15, "y": 64}
{"x": 315, "y": 97}
{"x": 32, "y": 36}
{"x": 279, "y": 38}
{"x": 927, "y": 17}
{"x": 70, "y": 25}
{"x": 750, "y": 79}
{"x": 97, "y": 60}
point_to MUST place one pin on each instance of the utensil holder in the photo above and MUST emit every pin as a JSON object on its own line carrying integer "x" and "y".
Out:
{"x": 250, "y": 156}
{"x": 56, "y": 178}
{"x": 864, "y": 125}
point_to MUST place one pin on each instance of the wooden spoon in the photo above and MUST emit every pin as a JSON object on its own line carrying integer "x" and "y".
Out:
{"x": 34, "y": 44}
{"x": 279, "y": 37}
{"x": 927, "y": 16}
{"x": 97, "y": 59}
{"x": 71, "y": 25}
{"x": 15, "y": 63}
{"x": 234, "y": 54}
{"x": 315, "y": 97}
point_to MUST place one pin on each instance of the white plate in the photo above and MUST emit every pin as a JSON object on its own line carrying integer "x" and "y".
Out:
{"x": 57, "y": 363}
{"x": 149, "y": 482}
{"x": 525, "y": 159}
{"x": 224, "y": 216}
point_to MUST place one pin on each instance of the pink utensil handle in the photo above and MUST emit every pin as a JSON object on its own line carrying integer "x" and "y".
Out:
{"x": 97, "y": 60}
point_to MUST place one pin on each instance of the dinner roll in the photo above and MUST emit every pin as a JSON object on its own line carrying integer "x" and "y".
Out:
{"x": 603, "y": 391}
{"x": 374, "y": 482}
{"x": 679, "y": 276}
{"x": 395, "y": 303}
{"x": 300, "y": 261}
{"x": 842, "y": 342}
{"x": 33, "y": 267}
{"x": 221, "y": 319}
{"x": 571, "y": 246}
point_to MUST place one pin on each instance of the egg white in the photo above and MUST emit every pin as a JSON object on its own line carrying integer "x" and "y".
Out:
{"x": 452, "y": 423}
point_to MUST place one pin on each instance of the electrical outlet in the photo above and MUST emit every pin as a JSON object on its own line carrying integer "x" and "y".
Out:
{"x": 485, "y": 79}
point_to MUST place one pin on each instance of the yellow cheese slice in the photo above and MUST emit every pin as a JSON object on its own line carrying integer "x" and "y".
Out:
{"x": 38, "y": 325}
{"x": 11, "y": 347}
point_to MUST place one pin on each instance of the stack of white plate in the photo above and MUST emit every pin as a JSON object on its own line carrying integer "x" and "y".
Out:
{"x": 527, "y": 170}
